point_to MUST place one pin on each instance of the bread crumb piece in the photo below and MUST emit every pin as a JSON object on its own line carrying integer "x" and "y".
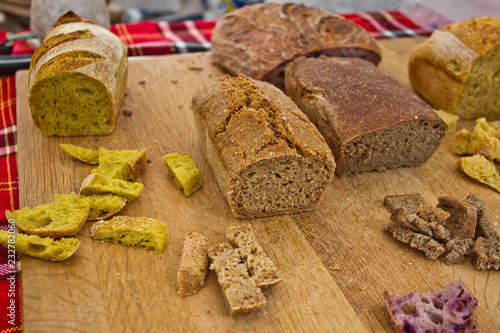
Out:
{"x": 362, "y": 288}
{"x": 127, "y": 113}
{"x": 142, "y": 82}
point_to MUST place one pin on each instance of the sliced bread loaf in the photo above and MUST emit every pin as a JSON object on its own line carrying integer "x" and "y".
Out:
{"x": 77, "y": 79}
{"x": 266, "y": 155}
{"x": 370, "y": 120}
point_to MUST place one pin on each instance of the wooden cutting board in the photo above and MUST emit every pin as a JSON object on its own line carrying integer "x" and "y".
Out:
{"x": 336, "y": 261}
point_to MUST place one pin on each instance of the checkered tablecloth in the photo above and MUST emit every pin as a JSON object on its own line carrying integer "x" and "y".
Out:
{"x": 142, "y": 39}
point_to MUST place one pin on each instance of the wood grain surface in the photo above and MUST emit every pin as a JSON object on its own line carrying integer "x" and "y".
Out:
{"x": 335, "y": 262}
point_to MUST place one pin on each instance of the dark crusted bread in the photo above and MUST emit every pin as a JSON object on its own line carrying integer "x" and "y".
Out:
{"x": 451, "y": 310}
{"x": 427, "y": 225}
{"x": 484, "y": 227}
{"x": 410, "y": 202}
{"x": 266, "y": 155}
{"x": 260, "y": 40}
{"x": 463, "y": 216}
{"x": 486, "y": 254}
{"x": 370, "y": 120}
{"x": 260, "y": 266}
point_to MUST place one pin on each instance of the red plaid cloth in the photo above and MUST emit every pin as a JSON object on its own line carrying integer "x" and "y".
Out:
{"x": 145, "y": 38}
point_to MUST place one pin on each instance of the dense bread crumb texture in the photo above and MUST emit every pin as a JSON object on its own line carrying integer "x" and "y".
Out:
{"x": 77, "y": 79}
{"x": 62, "y": 217}
{"x": 260, "y": 40}
{"x": 260, "y": 267}
{"x": 182, "y": 170}
{"x": 456, "y": 69}
{"x": 194, "y": 264}
{"x": 369, "y": 119}
{"x": 132, "y": 231}
{"x": 266, "y": 155}
{"x": 452, "y": 229}
{"x": 45, "y": 248}
{"x": 450, "y": 310}
{"x": 240, "y": 290}
{"x": 484, "y": 140}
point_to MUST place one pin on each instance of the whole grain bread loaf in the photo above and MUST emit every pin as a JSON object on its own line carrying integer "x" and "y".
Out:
{"x": 260, "y": 40}
{"x": 369, "y": 119}
{"x": 77, "y": 78}
{"x": 456, "y": 69}
{"x": 266, "y": 155}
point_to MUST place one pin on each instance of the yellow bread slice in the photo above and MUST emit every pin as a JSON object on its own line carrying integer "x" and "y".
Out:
{"x": 63, "y": 217}
{"x": 183, "y": 171}
{"x": 98, "y": 184}
{"x": 103, "y": 206}
{"x": 45, "y": 248}
{"x": 481, "y": 169}
{"x": 132, "y": 231}
{"x": 135, "y": 159}
{"x": 89, "y": 156}
{"x": 118, "y": 170}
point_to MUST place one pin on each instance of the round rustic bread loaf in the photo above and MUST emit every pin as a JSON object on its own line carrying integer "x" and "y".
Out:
{"x": 260, "y": 40}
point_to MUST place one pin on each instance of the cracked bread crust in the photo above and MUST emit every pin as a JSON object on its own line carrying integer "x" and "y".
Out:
{"x": 369, "y": 119}
{"x": 285, "y": 32}
{"x": 265, "y": 154}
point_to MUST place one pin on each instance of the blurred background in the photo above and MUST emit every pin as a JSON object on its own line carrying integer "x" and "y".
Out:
{"x": 15, "y": 14}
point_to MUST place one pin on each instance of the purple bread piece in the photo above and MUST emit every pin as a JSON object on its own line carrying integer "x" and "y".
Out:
{"x": 451, "y": 310}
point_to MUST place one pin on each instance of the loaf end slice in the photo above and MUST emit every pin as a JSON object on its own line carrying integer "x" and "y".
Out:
{"x": 194, "y": 264}
{"x": 240, "y": 290}
{"x": 450, "y": 310}
{"x": 260, "y": 266}
{"x": 45, "y": 248}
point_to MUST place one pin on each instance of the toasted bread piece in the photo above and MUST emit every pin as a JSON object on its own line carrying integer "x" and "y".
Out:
{"x": 183, "y": 171}
{"x": 261, "y": 268}
{"x": 89, "y": 156}
{"x": 95, "y": 183}
{"x": 486, "y": 254}
{"x": 63, "y": 217}
{"x": 103, "y": 206}
{"x": 410, "y": 202}
{"x": 135, "y": 159}
{"x": 463, "y": 216}
{"x": 240, "y": 290}
{"x": 132, "y": 231}
{"x": 40, "y": 247}
{"x": 194, "y": 264}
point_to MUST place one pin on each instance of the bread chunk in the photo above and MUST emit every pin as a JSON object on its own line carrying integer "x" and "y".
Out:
{"x": 371, "y": 121}
{"x": 463, "y": 216}
{"x": 453, "y": 69}
{"x": 431, "y": 247}
{"x": 64, "y": 216}
{"x": 40, "y": 247}
{"x": 117, "y": 170}
{"x": 260, "y": 40}
{"x": 484, "y": 227}
{"x": 261, "y": 268}
{"x": 481, "y": 169}
{"x": 450, "y": 310}
{"x": 458, "y": 248}
{"x": 427, "y": 225}
{"x": 410, "y": 202}
{"x": 135, "y": 159}
{"x": 182, "y": 170}
{"x": 103, "y": 206}
{"x": 98, "y": 184}
{"x": 240, "y": 290}
{"x": 485, "y": 140}
{"x": 486, "y": 254}
{"x": 132, "y": 231}
{"x": 77, "y": 79}
{"x": 89, "y": 156}
{"x": 194, "y": 264}
{"x": 266, "y": 155}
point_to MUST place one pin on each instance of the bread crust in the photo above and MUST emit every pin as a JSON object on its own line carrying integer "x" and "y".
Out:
{"x": 260, "y": 40}
{"x": 244, "y": 124}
